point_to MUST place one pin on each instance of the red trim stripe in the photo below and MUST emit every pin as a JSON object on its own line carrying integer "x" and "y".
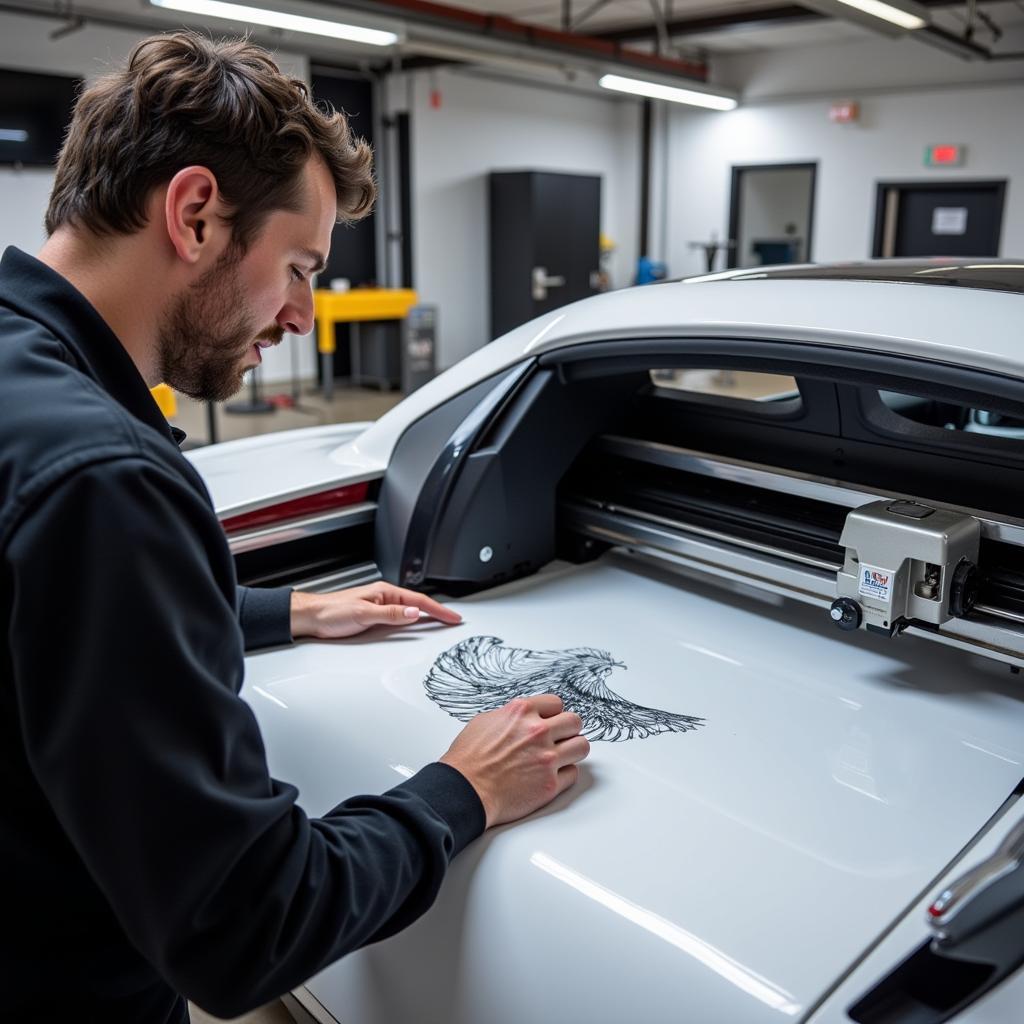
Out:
{"x": 311, "y": 504}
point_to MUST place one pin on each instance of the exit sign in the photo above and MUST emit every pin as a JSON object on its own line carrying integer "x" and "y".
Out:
{"x": 945, "y": 154}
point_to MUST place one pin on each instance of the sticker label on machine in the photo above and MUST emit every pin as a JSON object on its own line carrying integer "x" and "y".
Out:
{"x": 876, "y": 583}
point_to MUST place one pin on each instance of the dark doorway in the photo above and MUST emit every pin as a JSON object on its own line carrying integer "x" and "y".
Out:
{"x": 938, "y": 218}
{"x": 771, "y": 214}
{"x": 353, "y": 247}
{"x": 545, "y": 242}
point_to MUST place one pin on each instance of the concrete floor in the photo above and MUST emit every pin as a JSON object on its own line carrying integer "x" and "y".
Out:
{"x": 346, "y": 406}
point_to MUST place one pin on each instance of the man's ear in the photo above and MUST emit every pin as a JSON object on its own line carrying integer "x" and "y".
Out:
{"x": 191, "y": 207}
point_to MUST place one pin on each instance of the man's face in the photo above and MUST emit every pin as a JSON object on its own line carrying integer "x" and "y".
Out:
{"x": 212, "y": 332}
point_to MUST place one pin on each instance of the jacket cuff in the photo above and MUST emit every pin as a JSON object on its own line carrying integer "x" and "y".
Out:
{"x": 265, "y": 615}
{"x": 450, "y": 794}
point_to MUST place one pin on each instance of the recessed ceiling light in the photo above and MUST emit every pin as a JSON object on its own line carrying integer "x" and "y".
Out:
{"x": 13, "y": 135}
{"x": 672, "y": 93}
{"x": 280, "y": 19}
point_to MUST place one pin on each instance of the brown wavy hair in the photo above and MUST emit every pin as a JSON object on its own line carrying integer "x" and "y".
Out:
{"x": 183, "y": 99}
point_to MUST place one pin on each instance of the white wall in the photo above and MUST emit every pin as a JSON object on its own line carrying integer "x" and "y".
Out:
{"x": 887, "y": 143}
{"x": 483, "y": 125}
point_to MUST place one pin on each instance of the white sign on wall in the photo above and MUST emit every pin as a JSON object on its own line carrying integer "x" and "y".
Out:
{"x": 949, "y": 220}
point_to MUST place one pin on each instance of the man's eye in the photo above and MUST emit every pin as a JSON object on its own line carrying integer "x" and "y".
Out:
{"x": 297, "y": 274}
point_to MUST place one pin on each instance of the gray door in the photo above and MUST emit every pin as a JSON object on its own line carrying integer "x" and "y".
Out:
{"x": 939, "y": 219}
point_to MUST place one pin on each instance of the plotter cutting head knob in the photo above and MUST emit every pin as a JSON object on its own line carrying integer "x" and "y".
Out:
{"x": 845, "y": 613}
{"x": 963, "y": 590}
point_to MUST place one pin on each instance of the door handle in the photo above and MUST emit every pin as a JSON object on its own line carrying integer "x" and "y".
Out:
{"x": 542, "y": 281}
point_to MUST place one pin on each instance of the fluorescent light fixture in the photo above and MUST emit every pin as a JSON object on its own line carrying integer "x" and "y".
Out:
{"x": 891, "y": 18}
{"x": 887, "y": 12}
{"x": 13, "y": 135}
{"x": 279, "y": 19}
{"x": 656, "y": 91}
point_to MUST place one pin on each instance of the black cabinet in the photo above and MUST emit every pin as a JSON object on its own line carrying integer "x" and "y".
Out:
{"x": 545, "y": 243}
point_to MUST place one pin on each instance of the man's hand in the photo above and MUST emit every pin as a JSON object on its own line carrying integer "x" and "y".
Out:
{"x": 521, "y": 756}
{"x": 348, "y": 612}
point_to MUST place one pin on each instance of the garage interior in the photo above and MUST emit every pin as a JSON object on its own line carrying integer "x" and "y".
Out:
{"x": 512, "y": 182}
{"x": 532, "y": 153}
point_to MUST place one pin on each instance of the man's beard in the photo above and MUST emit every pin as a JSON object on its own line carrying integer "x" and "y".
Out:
{"x": 207, "y": 332}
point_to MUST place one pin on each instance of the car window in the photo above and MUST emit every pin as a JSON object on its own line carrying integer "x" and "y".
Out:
{"x": 953, "y": 416}
{"x": 742, "y": 384}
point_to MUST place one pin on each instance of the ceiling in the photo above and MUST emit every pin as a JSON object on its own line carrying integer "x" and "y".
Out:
{"x": 732, "y": 26}
{"x": 675, "y": 39}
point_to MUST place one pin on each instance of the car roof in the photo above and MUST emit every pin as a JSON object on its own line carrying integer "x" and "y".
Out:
{"x": 1001, "y": 275}
{"x": 971, "y": 327}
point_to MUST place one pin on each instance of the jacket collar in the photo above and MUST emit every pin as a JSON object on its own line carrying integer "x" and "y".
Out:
{"x": 34, "y": 290}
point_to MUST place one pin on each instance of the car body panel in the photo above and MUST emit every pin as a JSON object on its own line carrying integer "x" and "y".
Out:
{"x": 1000, "y": 1006}
{"x": 730, "y": 873}
{"x": 255, "y": 471}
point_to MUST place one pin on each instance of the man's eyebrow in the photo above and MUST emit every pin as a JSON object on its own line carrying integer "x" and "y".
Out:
{"x": 316, "y": 260}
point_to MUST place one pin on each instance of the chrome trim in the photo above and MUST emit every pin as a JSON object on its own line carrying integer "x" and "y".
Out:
{"x": 767, "y": 571}
{"x": 703, "y": 531}
{"x": 773, "y": 571}
{"x": 354, "y": 576}
{"x": 999, "y": 613}
{"x": 788, "y": 481}
{"x": 310, "y": 1005}
{"x": 297, "y": 529}
{"x": 978, "y": 895}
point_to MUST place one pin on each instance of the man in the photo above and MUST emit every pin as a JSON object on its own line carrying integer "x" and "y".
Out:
{"x": 146, "y": 853}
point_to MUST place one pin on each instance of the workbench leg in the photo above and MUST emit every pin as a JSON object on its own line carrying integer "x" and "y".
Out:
{"x": 355, "y": 362}
{"x": 327, "y": 366}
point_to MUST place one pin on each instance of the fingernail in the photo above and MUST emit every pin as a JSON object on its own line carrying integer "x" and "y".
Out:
{"x": 412, "y": 613}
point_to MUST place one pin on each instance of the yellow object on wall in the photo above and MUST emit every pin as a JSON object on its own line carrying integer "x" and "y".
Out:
{"x": 164, "y": 397}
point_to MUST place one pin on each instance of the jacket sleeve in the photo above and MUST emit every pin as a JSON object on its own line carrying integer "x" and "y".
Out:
{"x": 264, "y": 613}
{"x": 155, "y": 767}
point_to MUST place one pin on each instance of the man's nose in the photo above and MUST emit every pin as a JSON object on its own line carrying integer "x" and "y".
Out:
{"x": 296, "y": 317}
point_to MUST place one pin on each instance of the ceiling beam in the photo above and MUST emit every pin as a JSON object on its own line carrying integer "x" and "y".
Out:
{"x": 765, "y": 17}
{"x": 762, "y": 18}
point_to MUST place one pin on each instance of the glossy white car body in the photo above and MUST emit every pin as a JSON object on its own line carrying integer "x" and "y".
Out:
{"x": 771, "y": 864}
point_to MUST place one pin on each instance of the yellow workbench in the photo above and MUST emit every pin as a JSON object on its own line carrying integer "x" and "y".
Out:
{"x": 352, "y": 307}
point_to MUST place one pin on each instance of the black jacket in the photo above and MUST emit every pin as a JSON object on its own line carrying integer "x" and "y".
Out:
{"x": 145, "y": 851}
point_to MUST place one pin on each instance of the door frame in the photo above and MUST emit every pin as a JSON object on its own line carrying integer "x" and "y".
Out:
{"x": 732, "y": 255}
{"x": 940, "y": 185}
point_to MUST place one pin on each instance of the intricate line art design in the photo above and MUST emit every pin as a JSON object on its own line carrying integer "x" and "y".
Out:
{"x": 480, "y": 674}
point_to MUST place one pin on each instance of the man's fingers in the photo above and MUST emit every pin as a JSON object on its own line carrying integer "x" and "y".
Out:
{"x": 573, "y": 750}
{"x": 567, "y": 777}
{"x": 399, "y": 595}
{"x": 547, "y": 705}
{"x": 562, "y": 726}
{"x": 371, "y": 614}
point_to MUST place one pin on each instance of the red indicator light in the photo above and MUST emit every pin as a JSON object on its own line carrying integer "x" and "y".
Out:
{"x": 945, "y": 154}
{"x": 324, "y": 501}
{"x": 935, "y": 910}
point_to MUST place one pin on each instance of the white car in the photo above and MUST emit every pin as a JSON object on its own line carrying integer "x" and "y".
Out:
{"x": 793, "y": 625}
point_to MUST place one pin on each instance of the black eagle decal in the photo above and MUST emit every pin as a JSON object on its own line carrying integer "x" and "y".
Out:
{"x": 480, "y": 674}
